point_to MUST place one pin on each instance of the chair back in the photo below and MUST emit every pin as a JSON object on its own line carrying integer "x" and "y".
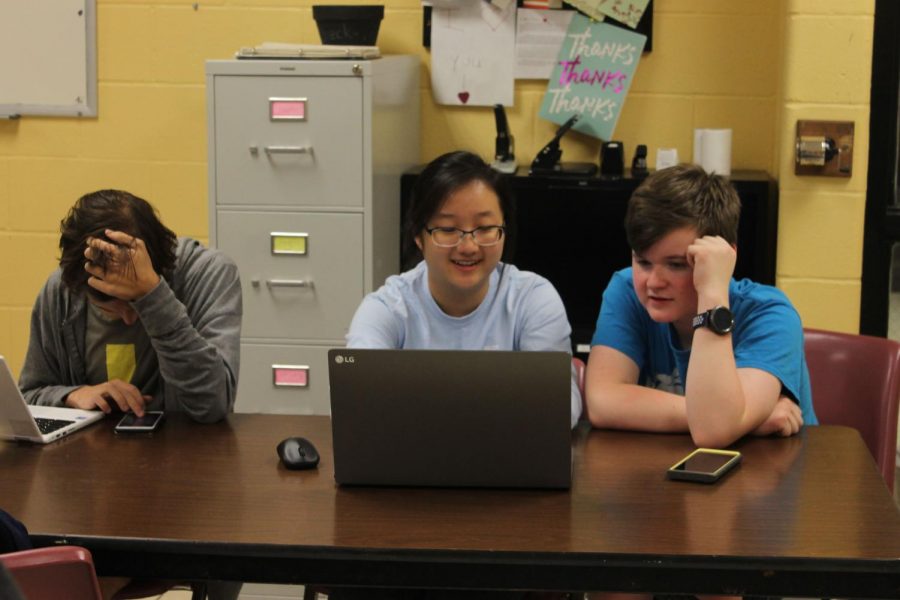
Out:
{"x": 8, "y": 588}
{"x": 856, "y": 382}
{"x": 53, "y": 573}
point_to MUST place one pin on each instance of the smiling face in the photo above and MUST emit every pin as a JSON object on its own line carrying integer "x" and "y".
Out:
{"x": 458, "y": 277}
{"x": 664, "y": 281}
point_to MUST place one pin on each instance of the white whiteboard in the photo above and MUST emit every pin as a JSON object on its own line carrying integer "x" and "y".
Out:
{"x": 48, "y": 62}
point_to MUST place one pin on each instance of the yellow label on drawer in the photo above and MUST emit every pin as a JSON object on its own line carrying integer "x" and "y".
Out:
{"x": 288, "y": 244}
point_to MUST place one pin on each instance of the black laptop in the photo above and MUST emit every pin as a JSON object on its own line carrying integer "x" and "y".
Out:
{"x": 452, "y": 418}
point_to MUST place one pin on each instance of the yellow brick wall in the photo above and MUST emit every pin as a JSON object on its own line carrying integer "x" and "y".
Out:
{"x": 752, "y": 65}
{"x": 826, "y": 72}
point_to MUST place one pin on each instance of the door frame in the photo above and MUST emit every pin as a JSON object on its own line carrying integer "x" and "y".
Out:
{"x": 882, "y": 216}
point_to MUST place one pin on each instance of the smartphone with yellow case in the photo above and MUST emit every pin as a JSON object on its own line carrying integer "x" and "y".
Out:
{"x": 704, "y": 465}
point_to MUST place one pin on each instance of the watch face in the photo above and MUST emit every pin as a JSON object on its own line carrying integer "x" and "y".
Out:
{"x": 721, "y": 320}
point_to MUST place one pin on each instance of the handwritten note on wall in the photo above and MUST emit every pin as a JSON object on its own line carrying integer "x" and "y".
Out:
{"x": 539, "y": 36}
{"x": 592, "y": 76}
{"x": 624, "y": 11}
{"x": 473, "y": 54}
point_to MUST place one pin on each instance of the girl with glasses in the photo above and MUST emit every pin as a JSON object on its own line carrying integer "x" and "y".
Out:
{"x": 461, "y": 296}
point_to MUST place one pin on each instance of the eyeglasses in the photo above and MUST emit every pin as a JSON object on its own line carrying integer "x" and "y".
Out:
{"x": 448, "y": 237}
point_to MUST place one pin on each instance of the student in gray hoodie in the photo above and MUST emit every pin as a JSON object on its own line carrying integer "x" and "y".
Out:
{"x": 134, "y": 319}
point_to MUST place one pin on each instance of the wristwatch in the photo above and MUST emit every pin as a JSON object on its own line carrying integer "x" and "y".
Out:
{"x": 719, "y": 319}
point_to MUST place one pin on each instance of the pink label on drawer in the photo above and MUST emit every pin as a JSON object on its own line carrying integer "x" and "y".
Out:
{"x": 287, "y": 109}
{"x": 289, "y": 376}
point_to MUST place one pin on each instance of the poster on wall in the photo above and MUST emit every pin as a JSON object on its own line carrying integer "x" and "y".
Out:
{"x": 592, "y": 76}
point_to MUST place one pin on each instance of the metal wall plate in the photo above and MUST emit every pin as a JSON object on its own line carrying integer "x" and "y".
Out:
{"x": 824, "y": 148}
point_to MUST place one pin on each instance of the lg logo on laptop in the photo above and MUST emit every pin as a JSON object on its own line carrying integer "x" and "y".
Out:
{"x": 344, "y": 359}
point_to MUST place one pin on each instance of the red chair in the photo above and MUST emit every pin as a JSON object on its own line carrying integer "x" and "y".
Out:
{"x": 8, "y": 588}
{"x": 856, "y": 382}
{"x": 53, "y": 573}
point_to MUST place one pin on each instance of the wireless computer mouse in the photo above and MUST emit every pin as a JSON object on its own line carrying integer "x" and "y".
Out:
{"x": 298, "y": 453}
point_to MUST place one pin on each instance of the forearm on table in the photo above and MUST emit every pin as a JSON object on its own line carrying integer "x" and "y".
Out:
{"x": 634, "y": 407}
{"x": 718, "y": 411}
{"x": 198, "y": 363}
{"x": 48, "y": 395}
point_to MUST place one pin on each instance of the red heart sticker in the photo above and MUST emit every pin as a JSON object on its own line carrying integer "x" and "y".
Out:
{"x": 463, "y": 97}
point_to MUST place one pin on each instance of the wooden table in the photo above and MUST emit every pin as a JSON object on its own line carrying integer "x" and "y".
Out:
{"x": 803, "y": 516}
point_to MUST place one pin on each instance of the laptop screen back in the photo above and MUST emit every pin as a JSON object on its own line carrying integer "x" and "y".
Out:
{"x": 451, "y": 418}
{"x": 15, "y": 418}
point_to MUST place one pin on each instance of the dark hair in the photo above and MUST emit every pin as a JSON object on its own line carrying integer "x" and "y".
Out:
{"x": 682, "y": 196}
{"x": 111, "y": 209}
{"x": 437, "y": 181}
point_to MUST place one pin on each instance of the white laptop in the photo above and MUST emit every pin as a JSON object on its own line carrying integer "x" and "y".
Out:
{"x": 41, "y": 424}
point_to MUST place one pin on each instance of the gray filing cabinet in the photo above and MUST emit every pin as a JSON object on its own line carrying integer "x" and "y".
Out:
{"x": 305, "y": 158}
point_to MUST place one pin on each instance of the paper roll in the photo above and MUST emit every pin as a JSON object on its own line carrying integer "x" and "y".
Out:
{"x": 712, "y": 150}
{"x": 666, "y": 157}
{"x": 698, "y": 146}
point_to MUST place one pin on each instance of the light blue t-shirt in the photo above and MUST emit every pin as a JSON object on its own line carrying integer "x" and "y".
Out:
{"x": 521, "y": 311}
{"x": 767, "y": 335}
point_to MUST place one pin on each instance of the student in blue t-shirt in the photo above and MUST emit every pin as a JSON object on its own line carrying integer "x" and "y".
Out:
{"x": 461, "y": 296}
{"x": 679, "y": 344}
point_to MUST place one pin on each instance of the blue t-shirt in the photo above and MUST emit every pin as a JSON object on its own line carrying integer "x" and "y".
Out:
{"x": 521, "y": 311}
{"x": 767, "y": 335}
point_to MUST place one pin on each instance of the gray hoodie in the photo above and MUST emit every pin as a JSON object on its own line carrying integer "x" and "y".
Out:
{"x": 193, "y": 319}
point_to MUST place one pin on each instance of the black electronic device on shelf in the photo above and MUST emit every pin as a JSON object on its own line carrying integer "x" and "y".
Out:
{"x": 639, "y": 163}
{"x": 612, "y": 159}
{"x": 547, "y": 160}
{"x": 504, "y": 147}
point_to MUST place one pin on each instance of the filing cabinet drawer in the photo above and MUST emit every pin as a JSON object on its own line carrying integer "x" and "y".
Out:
{"x": 289, "y": 141}
{"x": 294, "y": 287}
{"x": 285, "y": 379}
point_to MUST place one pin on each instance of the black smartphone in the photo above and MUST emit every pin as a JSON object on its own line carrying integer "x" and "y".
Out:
{"x": 131, "y": 423}
{"x": 704, "y": 465}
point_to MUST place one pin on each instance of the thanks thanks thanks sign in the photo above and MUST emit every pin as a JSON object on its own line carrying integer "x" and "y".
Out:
{"x": 591, "y": 78}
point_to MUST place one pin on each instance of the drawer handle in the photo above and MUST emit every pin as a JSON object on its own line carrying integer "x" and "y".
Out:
{"x": 288, "y": 149}
{"x": 290, "y": 375}
{"x": 298, "y": 283}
